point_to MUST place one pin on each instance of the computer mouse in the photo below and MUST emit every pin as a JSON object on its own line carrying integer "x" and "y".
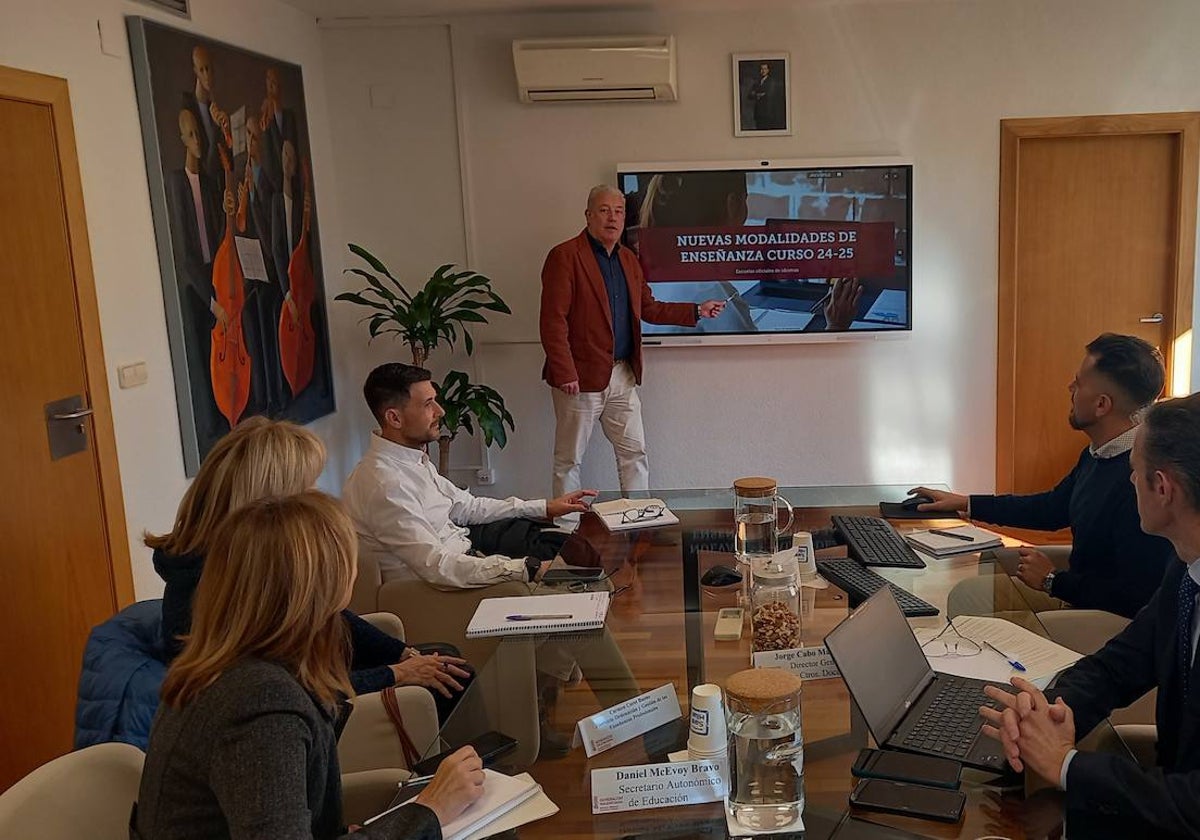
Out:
{"x": 912, "y": 501}
{"x": 721, "y": 576}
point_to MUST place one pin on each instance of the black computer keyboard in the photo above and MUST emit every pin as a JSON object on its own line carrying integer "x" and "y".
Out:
{"x": 951, "y": 722}
{"x": 874, "y": 542}
{"x": 860, "y": 584}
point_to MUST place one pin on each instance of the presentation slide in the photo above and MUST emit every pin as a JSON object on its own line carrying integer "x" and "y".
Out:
{"x": 772, "y": 243}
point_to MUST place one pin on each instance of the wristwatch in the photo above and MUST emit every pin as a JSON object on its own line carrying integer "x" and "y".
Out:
{"x": 1048, "y": 583}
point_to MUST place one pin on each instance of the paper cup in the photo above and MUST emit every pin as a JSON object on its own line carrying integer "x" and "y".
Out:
{"x": 806, "y": 558}
{"x": 708, "y": 735}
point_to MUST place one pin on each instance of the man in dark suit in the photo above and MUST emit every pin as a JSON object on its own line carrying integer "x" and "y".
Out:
{"x": 264, "y": 298}
{"x": 278, "y": 126}
{"x": 211, "y": 121}
{"x": 197, "y": 222}
{"x": 767, "y": 95}
{"x": 1157, "y": 650}
{"x": 594, "y": 299}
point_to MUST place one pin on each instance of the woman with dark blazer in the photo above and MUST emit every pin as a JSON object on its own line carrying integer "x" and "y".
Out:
{"x": 245, "y": 742}
{"x": 257, "y": 459}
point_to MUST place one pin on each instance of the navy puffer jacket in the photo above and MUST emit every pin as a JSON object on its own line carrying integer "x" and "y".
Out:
{"x": 123, "y": 669}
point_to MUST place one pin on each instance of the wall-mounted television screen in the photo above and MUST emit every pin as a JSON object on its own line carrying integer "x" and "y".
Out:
{"x": 794, "y": 250}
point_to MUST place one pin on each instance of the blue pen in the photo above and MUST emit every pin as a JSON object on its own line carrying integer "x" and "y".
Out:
{"x": 1014, "y": 663}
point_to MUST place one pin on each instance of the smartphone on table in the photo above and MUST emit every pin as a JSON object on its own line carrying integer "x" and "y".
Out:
{"x": 489, "y": 745}
{"x": 907, "y": 767}
{"x": 909, "y": 799}
{"x": 573, "y": 574}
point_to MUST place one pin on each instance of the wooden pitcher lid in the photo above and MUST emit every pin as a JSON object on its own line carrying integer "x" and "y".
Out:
{"x": 760, "y": 689}
{"x": 753, "y": 487}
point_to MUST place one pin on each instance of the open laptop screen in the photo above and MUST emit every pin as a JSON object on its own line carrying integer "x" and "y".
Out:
{"x": 880, "y": 660}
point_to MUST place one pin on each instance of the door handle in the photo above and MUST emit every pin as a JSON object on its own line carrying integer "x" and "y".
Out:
{"x": 1156, "y": 318}
{"x": 72, "y": 415}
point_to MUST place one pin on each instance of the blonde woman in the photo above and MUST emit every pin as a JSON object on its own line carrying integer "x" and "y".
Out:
{"x": 245, "y": 742}
{"x": 260, "y": 458}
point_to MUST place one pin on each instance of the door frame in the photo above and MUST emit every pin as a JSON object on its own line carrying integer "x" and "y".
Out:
{"x": 1186, "y": 125}
{"x": 53, "y": 92}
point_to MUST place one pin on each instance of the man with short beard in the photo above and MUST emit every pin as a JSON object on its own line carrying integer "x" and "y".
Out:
{"x": 1114, "y": 565}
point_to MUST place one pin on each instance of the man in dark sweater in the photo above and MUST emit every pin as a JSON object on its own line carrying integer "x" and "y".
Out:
{"x": 1114, "y": 565}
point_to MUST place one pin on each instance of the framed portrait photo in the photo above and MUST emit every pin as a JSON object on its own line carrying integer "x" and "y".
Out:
{"x": 762, "y": 94}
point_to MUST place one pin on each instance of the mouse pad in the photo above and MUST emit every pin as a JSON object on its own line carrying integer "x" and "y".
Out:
{"x": 895, "y": 510}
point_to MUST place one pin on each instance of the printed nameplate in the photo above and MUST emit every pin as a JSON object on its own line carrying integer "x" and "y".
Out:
{"x": 634, "y": 717}
{"x": 810, "y": 663}
{"x": 658, "y": 785}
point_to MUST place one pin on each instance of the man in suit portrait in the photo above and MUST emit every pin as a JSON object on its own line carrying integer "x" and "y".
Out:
{"x": 278, "y": 126}
{"x": 197, "y": 221}
{"x": 1156, "y": 650}
{"x": 766, "y": 93}
{"x": 210, "y": 119}
{"x": 594, "y": 299}
{"x": 264, "y": 297}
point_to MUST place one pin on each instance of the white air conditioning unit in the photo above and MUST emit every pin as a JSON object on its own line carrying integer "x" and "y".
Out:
{"x": 596, "y": 69}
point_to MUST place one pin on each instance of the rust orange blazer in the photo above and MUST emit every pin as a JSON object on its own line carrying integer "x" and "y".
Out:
{"x": 576, "y": 323}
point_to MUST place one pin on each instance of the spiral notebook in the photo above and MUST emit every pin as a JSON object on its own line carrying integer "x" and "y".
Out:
{"x": 524, "y": 615}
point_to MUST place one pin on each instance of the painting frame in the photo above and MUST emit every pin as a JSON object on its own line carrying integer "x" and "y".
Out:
{"x": 762, "y": 99}
{"x": 227, "y": 149}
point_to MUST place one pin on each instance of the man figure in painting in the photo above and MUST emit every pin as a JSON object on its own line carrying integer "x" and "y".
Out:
{"x": 278, "y": 125}
{"x": 211, "y": 121}
{"x": 197, "y": 222}
{"x": 767, "y": 95}
{"x": 264, "y": 296}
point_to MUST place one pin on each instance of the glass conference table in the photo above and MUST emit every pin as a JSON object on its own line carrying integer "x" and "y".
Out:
{"x": 661, "y": 621}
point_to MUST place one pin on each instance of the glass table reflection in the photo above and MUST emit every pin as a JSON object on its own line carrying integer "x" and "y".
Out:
{"x": 660, "y": 631}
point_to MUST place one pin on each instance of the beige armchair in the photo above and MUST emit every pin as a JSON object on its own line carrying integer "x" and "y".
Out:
{"x": 85, "y": 793}
{"x": 1086, "y": 631}
{"x": 369, "y": 741}
{"x": 505, "y": 695}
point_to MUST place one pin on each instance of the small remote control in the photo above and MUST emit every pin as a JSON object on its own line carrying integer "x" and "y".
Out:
{"x": 729, "y": 625}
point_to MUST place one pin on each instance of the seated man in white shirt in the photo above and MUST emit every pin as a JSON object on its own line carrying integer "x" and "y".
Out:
{"x": 416, "y": 523}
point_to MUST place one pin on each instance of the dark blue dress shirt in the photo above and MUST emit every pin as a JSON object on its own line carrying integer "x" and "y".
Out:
{"x": 618, "y": 298}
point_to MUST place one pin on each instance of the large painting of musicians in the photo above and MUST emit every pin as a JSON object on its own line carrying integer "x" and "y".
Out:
{"x": 227, "y": 156}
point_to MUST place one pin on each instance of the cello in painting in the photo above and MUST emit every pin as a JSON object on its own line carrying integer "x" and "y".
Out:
{"x": 297, "y": 341}
{"x": 229, "y": 359}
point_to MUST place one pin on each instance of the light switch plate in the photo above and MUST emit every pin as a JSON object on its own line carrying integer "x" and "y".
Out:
{"x": 132, "y": 375}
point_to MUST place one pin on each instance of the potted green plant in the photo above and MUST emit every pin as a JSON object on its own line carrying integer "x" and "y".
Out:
{"x": 442, "y": 311}
{"x": 463, "y": 400}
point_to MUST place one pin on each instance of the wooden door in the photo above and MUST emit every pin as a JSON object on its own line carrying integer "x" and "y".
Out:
{"x": 1097, "y": 234}
{"x": 64, "y": 553}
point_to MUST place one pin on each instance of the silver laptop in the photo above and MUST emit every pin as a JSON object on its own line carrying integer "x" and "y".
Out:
{"x": 906, "y": 704}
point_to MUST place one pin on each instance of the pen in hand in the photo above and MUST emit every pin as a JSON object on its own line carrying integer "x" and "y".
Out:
{"x": 952, "y": 535}
{"x": 537, "y": 616}
{"x": 1014, "y": 663}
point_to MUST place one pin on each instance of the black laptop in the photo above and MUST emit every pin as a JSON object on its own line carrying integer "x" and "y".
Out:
{"x": 905, "y": 703}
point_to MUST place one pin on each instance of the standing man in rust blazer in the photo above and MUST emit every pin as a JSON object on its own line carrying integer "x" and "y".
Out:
{"x": 594, "y": 299}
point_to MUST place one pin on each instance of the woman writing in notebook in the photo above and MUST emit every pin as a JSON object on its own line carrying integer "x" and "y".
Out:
{"x": 245, "y": 742}
{"x": 257, "y": 459}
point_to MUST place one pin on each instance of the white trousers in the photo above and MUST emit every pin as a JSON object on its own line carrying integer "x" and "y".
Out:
{"x": 619, "y": 410}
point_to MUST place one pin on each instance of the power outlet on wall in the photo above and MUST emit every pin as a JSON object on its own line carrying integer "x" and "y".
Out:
{"x": 485, "y": 477}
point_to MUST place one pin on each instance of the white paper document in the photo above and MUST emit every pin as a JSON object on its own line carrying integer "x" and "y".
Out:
{"x": 1041, "y": 657}
{"x": 965, "y": 540}
{"x": 501, "y": 795}
{"x": 251, "y": 258}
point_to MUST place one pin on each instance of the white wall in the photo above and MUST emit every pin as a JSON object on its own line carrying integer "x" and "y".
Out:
{"x": 59, "y": 37}
{"x": 925, "y": 80}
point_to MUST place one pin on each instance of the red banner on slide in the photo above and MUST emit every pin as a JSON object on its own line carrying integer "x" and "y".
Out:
{"x": 781, "y": 250}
